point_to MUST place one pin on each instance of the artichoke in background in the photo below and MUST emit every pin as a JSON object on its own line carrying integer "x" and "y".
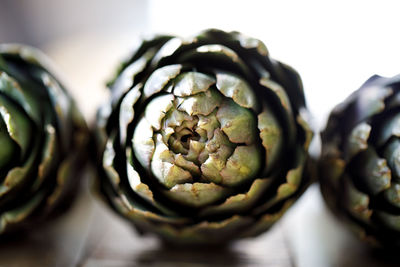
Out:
{"x": 204, "y": 139}
{"x": 360, "y": 163}
{"x": 41, "y": 137}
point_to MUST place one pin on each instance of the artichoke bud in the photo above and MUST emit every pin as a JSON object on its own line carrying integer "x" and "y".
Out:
{"x": 41, "y": 136}
{"x": 360, "y": 163}
{"x": 214, "y": 135}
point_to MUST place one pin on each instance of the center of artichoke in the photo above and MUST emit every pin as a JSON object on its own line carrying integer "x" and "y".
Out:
{"x": 198, "y": 135}
{"x": 184, "y": 139}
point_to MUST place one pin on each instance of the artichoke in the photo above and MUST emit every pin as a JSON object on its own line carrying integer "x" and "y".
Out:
{"x": 204, "y": 139}
{"x": 360, "y": 162}
{"x": 41, "y": 137}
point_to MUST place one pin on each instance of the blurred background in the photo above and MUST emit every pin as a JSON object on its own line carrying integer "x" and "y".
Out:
{"x": 335, "y": 46}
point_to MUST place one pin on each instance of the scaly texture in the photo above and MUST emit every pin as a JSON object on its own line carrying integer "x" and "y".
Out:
{"x": 205, "y": 139}
{"x": 41, "y": 135}
{"x": 360, "y": 163}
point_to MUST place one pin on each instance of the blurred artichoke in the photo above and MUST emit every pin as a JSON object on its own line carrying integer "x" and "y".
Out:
{"x": 360, "y": 163}
{"x": 41, "y": 133}
{"x": 204, "y": 139}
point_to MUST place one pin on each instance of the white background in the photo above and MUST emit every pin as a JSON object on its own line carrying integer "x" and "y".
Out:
{"x": 334, "y": 45}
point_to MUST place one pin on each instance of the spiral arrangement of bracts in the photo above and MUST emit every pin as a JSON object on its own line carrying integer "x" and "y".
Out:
{"x": 205, "y": 139}
{"x": 41, "y": 133}
{"x": 360, "y": 164}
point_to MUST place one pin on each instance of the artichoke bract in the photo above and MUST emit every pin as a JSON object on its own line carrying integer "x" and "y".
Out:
{"x": 41, "y": 136}
{"x": 360, "y": 162}
{"x": 204, "y": 139}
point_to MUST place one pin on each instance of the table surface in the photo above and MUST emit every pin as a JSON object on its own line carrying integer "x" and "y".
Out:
{"x": 90, "y": 234}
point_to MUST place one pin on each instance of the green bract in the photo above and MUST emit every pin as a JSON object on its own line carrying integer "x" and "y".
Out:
{"x": 41, "y": 132}
{"x": 360, "y": 164}
{"x": 205, "y": 139}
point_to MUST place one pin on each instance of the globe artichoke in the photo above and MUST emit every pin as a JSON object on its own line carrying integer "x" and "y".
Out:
{"x": 204, "y": 139}
{"x": 41, "y": 134}
{"x": 360, "y": 163}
